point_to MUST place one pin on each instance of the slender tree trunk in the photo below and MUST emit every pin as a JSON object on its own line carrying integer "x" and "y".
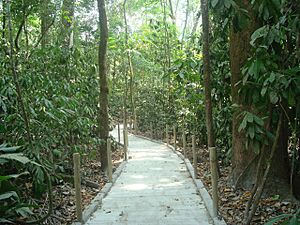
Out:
{"x": 208, "y": 103}
{"x": 103, "y": 100}
{"x": 131, "y": 72}
{"x": 67, "y": 19}
{"x": 45, "y": 21}
{"x": 13, "y": 65}
{"x": 185, "y": 22}
{"x": 207, "y": 75}
{"x": 172, "y": 12}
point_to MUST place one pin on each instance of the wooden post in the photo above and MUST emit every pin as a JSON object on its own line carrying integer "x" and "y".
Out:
{"x": 151, "y": 130}
{"x": 167, "y": 134}
{"x": 194, "y": 156}
{"x": 109, "y": 160}
{"x": 119, "y": 133}
{"x": 214, "y": 178}
{"x": 135, "y": 124}
{"x": 77, "y": 184}
{"x": 125, "y": 134}
{"x": 184, "y": 143}
{"x": 175, "y": 138}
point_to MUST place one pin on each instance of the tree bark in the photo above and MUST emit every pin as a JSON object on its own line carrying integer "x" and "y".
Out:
{"x": 103, "y": 100}
{"x": 239, "y": 53}
{"x": 131, "y": 72}
{"x": 45, "y": 21}
{"x": 243, "y": 172}
{"x": 208, "y": 105}
{"x": 67, "y": 19}
{"x": 207, "y": 75}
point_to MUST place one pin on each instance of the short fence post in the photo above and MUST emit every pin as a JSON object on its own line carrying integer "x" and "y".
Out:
{"x": 167, "y": 134}
{"x": 194, "y": 156}
{"x": 109, "y": 160}
{"x": 214, "y": 178}
{"x": 135, "y": 124}
{"x": 125, "y": 134}
{"x": 119, "y": 133}
{"x": 151, "y": 130}
{"x": 77, "y": 184}
{"x": 184, "y": 143}
{"x": 175, "y": 138}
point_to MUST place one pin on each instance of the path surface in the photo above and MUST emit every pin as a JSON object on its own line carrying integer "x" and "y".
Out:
{"x": 154, "y": 188}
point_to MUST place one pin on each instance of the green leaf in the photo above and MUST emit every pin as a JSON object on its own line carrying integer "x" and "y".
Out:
{"x": 273, "y": 97}
{"x": 9, "y": 194}
{"x": 258, "y": 121}
{"x": 7, "y": 177}
{"x": 214, "y": 3}
{"x": 227, "y": 3}
{"x": 3, "y": 148}
{"x": 17, "y": 157}
{"x": 263, "y": 91}
{"x": 256, "y": 147}
{"x": 5, "y": 221}
{"x": 260, "y": 32}
{"x": 243, "y": 124}
{"x": 251, "y": 132}
{"x": 278, "y": 218}
{"x": 24, "y": 212}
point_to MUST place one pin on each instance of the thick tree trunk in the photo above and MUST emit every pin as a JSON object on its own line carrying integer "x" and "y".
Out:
{"x": 245, "y": 161}
{"x": 239, "y": 53}
{"x": 103, "y": 100}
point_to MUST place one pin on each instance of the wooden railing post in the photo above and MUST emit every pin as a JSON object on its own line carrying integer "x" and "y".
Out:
{"x": 125, "y": 134}
{"x": 214, "y": 178}
{"x": 194, "y": 156}
{"x": 119, "y": 132}
{"x": 167, "y": 135}
{"x": 109, "y": 160}
{"x": 151, "y": 130}
{"x": 77, "y": 184}
{"x": 175, "y": 137}
{"x": 135, "y": 124}
{"x": 184, "y": 143}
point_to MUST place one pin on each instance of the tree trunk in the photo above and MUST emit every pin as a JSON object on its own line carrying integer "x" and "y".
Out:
{"x": 245, "y": 161}
{"x": 103, "y": 100}
{"x": 67, "y": 18}
{"x": 45, "y": 21}
{"x": 208, "y": 105}
{"x": 239, "y": 53}
{"x": 131, "y": 72}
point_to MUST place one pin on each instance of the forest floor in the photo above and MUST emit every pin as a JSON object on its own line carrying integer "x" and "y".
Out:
{"x": 233, "y": 202}
{"x": 64, "y": 209}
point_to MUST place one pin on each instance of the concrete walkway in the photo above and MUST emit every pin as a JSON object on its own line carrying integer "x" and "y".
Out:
{"x": 154, "y": 188}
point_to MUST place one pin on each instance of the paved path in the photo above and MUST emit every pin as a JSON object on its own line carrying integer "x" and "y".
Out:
{"x": 154, "y": 188}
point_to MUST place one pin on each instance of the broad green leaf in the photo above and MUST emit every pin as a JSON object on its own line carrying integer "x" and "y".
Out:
{"x": 17, "y": 157}
{"x": 260, "y": 32}
{"x": 259, "y": 121}
{"x": 9, "y": 194}
{"x": 3, "y": 148}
